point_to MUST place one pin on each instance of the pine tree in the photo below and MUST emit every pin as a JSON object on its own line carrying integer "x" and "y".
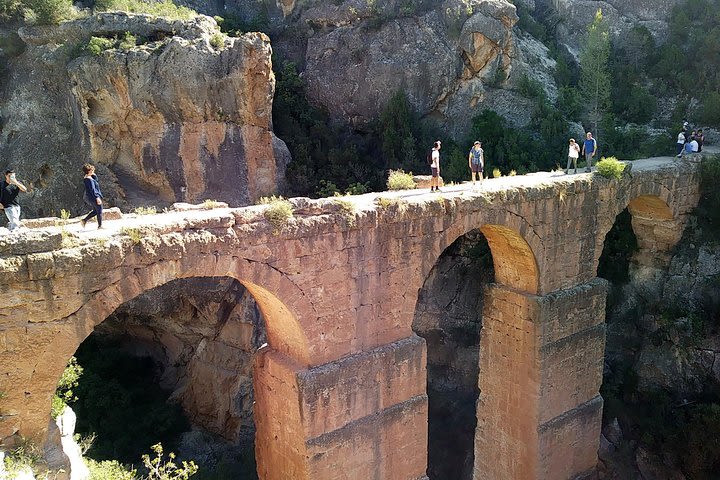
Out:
{"x": 594, "y": 72}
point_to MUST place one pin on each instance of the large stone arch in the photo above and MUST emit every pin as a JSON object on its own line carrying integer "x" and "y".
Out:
{"x": 280, "y": 447}
{"x": 508, "y": 335}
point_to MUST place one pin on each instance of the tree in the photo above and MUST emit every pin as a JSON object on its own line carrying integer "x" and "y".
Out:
{"x": 594, "y": 72}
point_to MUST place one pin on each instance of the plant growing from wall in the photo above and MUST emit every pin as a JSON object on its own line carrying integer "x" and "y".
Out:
{"x": 64, "y": 393}
{"x": 279, "y": 211}
{"x": 610, "y": 167}
{"x": 160, "y": 469}
{"x": 399, "y": 180}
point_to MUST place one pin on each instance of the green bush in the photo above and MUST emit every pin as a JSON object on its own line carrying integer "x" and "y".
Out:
{"x": 128, "y": 41}
{"x": 217, "y": 41}
{"x": 708, "y": 209}
{"x": 160, "y": 469}
{"x": 64, "y": 393}
{"x": 610, "y": 167}
{"x": 278, "y": 213}
{"x": 50, "y": 12}
{"x": 399, "y": 180}
{"x": 163, "y": 8}
{"x": 97, "y": 45}
{"x": 109, "y": 470}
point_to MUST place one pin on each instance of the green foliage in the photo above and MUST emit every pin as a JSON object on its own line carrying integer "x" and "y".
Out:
{"x": 710, "y": 109}
{"x": 109, "y": 470}
{"x": 357, "y": 188}
{"x": 128, "y": 41}
{"x": 496, "y": 173}
{"x": 708, "y": 209}
{"x": 65, "y": 392}
{"x": 135, "y": 234}
{"x": 162, "y": 8}
{"x": 25, "y": 456}
{"x": 399, "y": 180}
{"x": 610, "y": 167}
{"x": 97, "y": 45}
{"x": 48, "y": 12}
{"x": 530, "y": 88}
{"x": 160, "y": 469}
{"x": 398, "y": 140}
{"x": 235, "y": 26}
{"x": 149, "y": 210}
{"x": 594, "y": 74}
{"x": 278, "y": 213}
{"x": 326, "y": 189}
{"x": 569, "y": 102}
{"x": 619, "y": 247}
{"x": 119, "y": 400}
{"x": 209, "y": 204}
{"x": 217, "y": 41}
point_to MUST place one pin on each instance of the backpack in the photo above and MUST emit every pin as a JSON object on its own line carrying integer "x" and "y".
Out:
{"x": 429, "y": 158}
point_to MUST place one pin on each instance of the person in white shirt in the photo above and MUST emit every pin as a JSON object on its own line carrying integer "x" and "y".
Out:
{"x": 435, "y": 168}
{"x": 573, "y": 154}
{"x": 680, "y": 143}
{"x": 694, "y": 146}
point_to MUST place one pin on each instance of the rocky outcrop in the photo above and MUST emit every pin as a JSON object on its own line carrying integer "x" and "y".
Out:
{"x": 203, "y": 333}
{"x": 172, "y": 118}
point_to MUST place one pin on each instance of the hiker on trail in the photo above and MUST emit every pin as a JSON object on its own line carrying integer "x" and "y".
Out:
{"x": 589, "y": 149}
{"x": 435, "y": 167}
{"x": 10, "y": 188}
{"x": 573, "y": 154}
{"x": 700, "y": 137}
{"x": 680, "y": 144}
{"x": 92, "y": 196}
{"x": 476, "y": 161}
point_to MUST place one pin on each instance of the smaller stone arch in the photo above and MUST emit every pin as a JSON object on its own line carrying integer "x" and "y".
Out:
{"x": 514, "y": 260}
{"x": 657, "y": 229}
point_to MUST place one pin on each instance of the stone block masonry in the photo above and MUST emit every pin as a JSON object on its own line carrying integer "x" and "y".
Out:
{"x": 341, "y": 386}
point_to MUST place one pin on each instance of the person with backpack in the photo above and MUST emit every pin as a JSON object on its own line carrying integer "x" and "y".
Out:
{"x": 92, "y": 196}
{"x": 434, "y": 160}
{"x": 476, "y": 161}
{"x": 10, "y": 188}
{"x": 589, "y": 149}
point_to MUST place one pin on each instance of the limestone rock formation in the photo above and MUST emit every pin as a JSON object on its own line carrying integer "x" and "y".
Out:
{"x": 171, "y": 119}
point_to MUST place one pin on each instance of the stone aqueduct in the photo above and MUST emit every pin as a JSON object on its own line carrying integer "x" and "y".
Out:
{"x": 341, "y": 387}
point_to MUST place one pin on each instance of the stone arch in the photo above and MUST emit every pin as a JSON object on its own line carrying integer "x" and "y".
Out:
{"x": 657, "y": 228}
{"x": 453, "y": 334}
{"x": 515, "y": 262}
{"x": 276, "y": 296}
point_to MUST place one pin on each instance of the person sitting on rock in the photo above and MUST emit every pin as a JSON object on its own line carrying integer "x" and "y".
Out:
{"x": 9, "y": 191}
{"x": 700, "y": 137}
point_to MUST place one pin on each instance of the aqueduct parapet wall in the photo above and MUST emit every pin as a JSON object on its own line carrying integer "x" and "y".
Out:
{"x": 340, "y": 389}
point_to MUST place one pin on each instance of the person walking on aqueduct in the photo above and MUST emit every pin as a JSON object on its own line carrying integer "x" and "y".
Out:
{"x": 9, "y": 190}
{"x": 435, "y": 167}
{"x": 573, "y": 154}
{"x": 92, "y": 196}
{"x": 476, "y": 161}
{"x": 589, "y": 149}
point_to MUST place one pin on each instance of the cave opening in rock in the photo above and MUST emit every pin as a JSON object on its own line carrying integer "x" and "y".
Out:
{"x": 175, "y": 365}
{"x": 449, "y": 317}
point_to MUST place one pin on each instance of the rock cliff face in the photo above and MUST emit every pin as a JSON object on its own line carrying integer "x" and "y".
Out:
{"x": 173, "y": 118}
{"x": 204, "y": 334}
{"x": 450, "y": 59}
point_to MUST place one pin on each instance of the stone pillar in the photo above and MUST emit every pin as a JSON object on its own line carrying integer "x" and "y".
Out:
{"x": 541, "y": 362}
{"x": 361, "y": 417}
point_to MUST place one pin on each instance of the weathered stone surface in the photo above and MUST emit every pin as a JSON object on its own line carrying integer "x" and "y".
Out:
{"x": 339, "y": 301}
{"x": 173, "y": 119}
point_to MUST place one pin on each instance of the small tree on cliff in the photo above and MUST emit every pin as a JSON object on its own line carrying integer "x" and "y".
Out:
{"x": 594, "y": 73}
